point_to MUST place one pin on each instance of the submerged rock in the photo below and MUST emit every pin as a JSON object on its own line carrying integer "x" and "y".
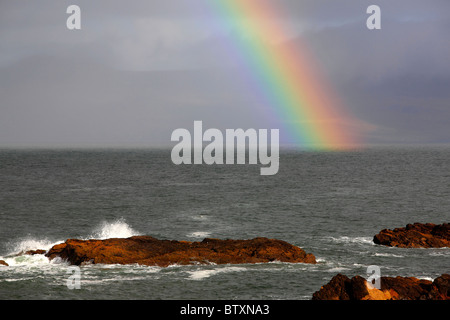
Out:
{"x": 33, "y": 252}
{"x": 147, "y": 250}
{"x": 417, "y": 235}
{"x": 341, "y": 287}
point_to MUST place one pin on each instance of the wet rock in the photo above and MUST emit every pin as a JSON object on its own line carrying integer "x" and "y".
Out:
{"x": 3, "y": 263}
{"x": 341, "y": 287}
{"x": 417, "y": 235}
{"x": 147, "y": 250}
{"x": 33, "y": 252}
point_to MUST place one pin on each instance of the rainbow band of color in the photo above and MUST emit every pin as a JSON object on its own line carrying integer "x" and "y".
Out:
{"x": 288, "y": 77}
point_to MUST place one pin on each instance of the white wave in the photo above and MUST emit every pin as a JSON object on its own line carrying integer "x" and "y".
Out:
{"x": 440, "y": 253}
{"x": 359, "y": 265}
{"x": 18, "y": 279}
{"x": 123, "y": 268}
{"x": 388, "y": 255}
{"x": 115, "y": 229}
{"x": 23, "y": 245}
{"x": 425, "y": 278}
{"x": 338, "y": 269}
{"x": 202, "y": 274}
{"x": 102, "y": 281}
{"x": 17, "y": 257}
{"x": 320, "y": 260}
{"x": 199, "y": 234}
{"x": 358, "y": 240}
{"x": 27, "y": 260}
{"x": 200, "y": 217}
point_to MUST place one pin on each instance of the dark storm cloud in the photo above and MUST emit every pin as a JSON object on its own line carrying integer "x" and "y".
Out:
{"x": 136, "y": 72}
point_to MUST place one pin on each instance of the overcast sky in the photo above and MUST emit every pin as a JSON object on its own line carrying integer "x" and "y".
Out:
{"x": 139, "y": 69}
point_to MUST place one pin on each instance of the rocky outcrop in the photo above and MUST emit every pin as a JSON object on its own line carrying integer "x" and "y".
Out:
{"x": 33, "y": 252}
{"x": 399, "y": 288}
{"x": 417, "y": 235}
{"x": 147, "y": 250}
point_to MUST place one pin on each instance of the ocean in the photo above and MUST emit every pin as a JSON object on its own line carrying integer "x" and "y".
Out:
{"x": 330, "y": 204}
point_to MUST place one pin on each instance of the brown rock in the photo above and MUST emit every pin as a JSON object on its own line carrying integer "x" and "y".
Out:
{"x": 440, "y": 289}
{"x": 336, "y": 289}
{"x": 416, "y": 235}
{"x": 3, "y": 263}
{"x": 33, "y": 252}
{"x": 341, "y": 287}
{"x": 147, "y": 250}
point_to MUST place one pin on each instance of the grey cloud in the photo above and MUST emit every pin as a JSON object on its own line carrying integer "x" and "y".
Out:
{"x": 136, "y": 72}
{"x": 58, "y": 101}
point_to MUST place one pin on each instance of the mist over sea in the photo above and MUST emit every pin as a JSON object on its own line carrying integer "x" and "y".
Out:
{"x": 330, "y": 204}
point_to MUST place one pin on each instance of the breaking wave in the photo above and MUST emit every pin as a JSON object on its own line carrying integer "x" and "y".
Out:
{"x": 202, "y": 274}
{"x": 16, "y": 250}
{"x": 357, "y": 240}
{"x": 199, "y": 234}
{"x": 115, "y": 229}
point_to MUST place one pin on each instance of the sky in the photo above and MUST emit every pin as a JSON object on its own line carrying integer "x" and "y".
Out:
{"x": 137, "y": 70}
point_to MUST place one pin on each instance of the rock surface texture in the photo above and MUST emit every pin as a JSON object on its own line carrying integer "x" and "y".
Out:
{"x": 416, "y": 235}
{"x": 147, "y": 250}
{"x": 341, "y": 287}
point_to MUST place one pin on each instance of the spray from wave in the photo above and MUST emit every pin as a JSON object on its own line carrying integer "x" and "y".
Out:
{"x": 115, "y": 229}
{"x": 17, "y": 250}
{"x": 26, "y": 244}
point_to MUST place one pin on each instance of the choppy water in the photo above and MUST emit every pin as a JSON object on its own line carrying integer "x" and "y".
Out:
{"x": 330, "y": 204}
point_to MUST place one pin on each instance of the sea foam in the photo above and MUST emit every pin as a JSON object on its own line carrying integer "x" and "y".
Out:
{"x": 202, "y": 274}
{"x": 30, "y": 244}
{"x": 199, "y": 234}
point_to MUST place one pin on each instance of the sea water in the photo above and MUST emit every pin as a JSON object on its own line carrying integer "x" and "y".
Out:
{"x": 330, "y": 204}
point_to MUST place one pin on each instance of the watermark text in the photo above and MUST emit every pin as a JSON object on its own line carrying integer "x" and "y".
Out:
{"x": 236, "y": 143}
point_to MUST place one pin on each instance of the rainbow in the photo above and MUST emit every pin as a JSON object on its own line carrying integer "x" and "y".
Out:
{"x": 288, "y": 76}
